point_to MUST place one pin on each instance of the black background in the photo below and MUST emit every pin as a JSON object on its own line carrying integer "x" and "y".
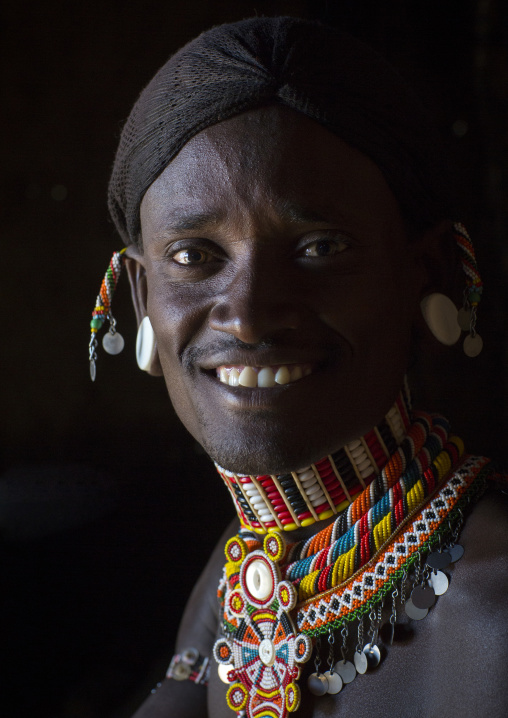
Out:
{"x": 99, "y": 481}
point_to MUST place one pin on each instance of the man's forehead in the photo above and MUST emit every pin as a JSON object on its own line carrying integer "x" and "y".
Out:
{"x": 197, "y": 214}
{"x": 300, "y": 175}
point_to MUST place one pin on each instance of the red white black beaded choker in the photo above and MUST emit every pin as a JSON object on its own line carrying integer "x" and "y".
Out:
{"x": 321, "y": 490}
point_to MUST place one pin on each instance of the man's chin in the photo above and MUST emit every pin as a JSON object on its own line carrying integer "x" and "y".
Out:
{"x": 253, "y": 455}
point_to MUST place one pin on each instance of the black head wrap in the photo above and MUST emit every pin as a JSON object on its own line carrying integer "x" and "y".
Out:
{"x": 325, "y": 74}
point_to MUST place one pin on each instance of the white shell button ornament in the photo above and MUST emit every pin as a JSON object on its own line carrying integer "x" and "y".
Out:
{"x": 259, "y": 580}
{"x": 223, "y": 671}
{"x": 440, "y": 314}
{"x": 267, "y": 652}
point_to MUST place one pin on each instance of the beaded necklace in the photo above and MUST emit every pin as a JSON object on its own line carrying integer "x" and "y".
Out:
{"x": 321, "y": 490}
{"x": 397, "y": 534}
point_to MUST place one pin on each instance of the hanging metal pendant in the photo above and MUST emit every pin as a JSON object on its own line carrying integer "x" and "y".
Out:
{"x": 456, "y": 552}
{"x": 423, "y": 596}
{"x": 438, "y": 559}
{"x": 346, "y": 670}
{"x": 360, "y": 661}
{"x": 317, "y": 684}
{"x": 473, "y": 345}
{"x": 113, "y": 342}
{"x": 439, "y": 582}
{"x": 413, "y": 612}
{"x": 335, "y": 682}
{"x": 372, "y": 654}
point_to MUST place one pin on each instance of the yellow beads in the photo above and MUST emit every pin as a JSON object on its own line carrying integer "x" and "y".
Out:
{"x": 382, "y": 531}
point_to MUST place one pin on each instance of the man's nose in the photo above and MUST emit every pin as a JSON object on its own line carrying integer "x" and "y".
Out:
{"x": 257, "y": 305}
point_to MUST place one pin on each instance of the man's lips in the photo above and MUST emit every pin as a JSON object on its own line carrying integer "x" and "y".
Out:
{"x": 263, "y": 376}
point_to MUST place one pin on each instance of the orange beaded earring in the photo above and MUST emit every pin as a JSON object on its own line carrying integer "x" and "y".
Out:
{"x": 112, "y": 342}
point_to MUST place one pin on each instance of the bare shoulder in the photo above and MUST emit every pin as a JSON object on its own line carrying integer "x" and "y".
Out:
{"x": 198, "y": 629}
{"x": 480, "y": 579}
{"x": 199, "y": 623}
{"x": 485, "y": 536}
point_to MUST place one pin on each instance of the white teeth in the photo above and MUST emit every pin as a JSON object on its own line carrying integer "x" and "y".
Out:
{"x": 266, "y": 377}
{"x": 296, "y": 373}
{"x": 248, "y": 377}
{"x": 283, "y": 376}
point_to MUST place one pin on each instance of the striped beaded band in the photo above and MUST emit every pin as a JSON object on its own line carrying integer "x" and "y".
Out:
{"x": 474, "y": 283}
{"x": 321, "y": 490}
{"x": 102, "y": 309}
{"x": 417, "y": 467}
{"x": 356, "y": 597}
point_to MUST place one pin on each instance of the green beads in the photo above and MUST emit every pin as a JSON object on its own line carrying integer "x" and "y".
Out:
{"x": 96, "y": 323}
{"x": 474, "y": 297}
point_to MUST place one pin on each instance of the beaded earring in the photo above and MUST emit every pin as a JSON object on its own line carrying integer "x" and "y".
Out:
{"x": 440, "y": 313}
{"x": 112, "y": 342}
{"x": 473, "y": 343}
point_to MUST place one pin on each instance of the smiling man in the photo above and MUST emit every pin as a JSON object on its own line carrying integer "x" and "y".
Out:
{"x": 287, "y": 221}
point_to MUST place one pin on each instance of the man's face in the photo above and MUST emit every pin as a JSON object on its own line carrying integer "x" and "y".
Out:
{"x": 270, "y": 243}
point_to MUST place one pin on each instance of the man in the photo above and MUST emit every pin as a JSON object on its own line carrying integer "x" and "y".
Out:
{"x": 286, "y": 215}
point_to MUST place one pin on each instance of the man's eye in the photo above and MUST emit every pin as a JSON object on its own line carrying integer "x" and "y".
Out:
{"x": 324, "y": 248}
{"x": 191, "y": 257}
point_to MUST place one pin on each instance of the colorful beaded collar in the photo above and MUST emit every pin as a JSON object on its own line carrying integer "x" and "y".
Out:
{"x": 279, "y": 599}
{"x": 321, "y": 490}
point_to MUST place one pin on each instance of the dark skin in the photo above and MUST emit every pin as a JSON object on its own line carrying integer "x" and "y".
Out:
{"x": 269, "y": 241}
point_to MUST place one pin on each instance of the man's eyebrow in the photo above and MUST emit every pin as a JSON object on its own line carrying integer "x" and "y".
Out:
{"x": 292, "y": 211}
{"x": 288, "y": 210}
{"x": 181, "y": 221}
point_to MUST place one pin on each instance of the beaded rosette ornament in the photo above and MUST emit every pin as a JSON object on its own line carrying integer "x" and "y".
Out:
{"x": 261, "y": 658}
{"x": 386, "y": 551}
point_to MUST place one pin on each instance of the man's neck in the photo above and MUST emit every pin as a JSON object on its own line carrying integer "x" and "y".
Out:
{"x": 308, "y": 499}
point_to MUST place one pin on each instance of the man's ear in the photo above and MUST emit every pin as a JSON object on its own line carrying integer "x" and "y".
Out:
{"x": 436, "y": 250}
{"x": 137, "y": 279}
{"x": 135, "y": 269}
{"x": 437, "y": 255}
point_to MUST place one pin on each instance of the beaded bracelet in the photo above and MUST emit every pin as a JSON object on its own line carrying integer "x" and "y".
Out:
{"x": 189, "y": 665}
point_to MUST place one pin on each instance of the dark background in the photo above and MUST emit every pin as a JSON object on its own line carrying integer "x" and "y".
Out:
{"x": 99, "y": 481}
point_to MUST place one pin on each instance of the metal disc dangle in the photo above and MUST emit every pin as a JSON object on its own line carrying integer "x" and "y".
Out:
{"x": 413, "y": 612}
{"x": 439, "y": 582}
{"x": 335, "y": 682}
{"x": 456, "y": 552}
{"x": 423, "y": 596}
{"x": 464, "y": 319}
{"x": 317, "y": 684}
{"x": 360, "y": 661}
{"x": 372, "y": 654}
{"x": 473, "y": 345}
{"x": 438, "y": 559}
{"x": 346, "y": 670}
{"x": 113, "y": 343}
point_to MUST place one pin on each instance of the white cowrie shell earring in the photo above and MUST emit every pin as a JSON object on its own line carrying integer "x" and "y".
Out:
{"x": 440, "y": 314}
{"x": 145, "y": 344}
